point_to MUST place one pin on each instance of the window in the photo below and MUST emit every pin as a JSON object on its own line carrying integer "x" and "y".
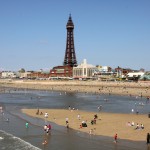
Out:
{"x": 84, "y": 71}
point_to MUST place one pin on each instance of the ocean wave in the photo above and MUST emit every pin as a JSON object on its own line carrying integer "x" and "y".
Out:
{"x": 15, "y": 143}
{"x": 1, "y": 138}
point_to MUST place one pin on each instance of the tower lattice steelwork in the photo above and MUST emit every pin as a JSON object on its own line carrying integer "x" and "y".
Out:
{"x": 70, "y": 56}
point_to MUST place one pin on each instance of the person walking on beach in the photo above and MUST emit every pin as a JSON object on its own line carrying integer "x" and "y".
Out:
{"x": 78, "y": 116}
{"x": 148, "y": 138}
{"x": 46, "y": 115}
{"x": 67, "y": 122}
{"x": 115, "y": 138}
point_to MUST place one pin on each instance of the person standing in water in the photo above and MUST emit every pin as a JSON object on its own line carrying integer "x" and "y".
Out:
{"x": 27, "y": 125}
{"x": 45, "y": 142}
{"x": 115, "y": 138}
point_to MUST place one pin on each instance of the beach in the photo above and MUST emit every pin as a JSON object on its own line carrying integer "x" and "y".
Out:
{"x": 112, "y": 118}
{"x": 141, "y": 89}
{"x": 107, "y": 124}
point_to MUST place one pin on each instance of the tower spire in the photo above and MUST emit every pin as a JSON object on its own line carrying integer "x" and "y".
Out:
{"x": 70, "y": 56}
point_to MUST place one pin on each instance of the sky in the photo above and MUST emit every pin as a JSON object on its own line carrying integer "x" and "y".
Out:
{"x": 106, "y": 32}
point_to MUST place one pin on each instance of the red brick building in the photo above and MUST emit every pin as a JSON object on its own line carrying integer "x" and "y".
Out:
{"x": 37, "y": 75}
{"x": 61, "y": 71}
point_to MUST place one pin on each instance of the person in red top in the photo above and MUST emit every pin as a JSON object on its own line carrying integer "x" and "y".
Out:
{"x": 115, "y": 138}
{"x": 49, "y": 127}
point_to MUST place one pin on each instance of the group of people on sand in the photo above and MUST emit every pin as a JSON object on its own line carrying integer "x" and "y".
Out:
{"x": 141, "y": 126}
{"x": 93, "y": 121}
{"x": 131, "y": 123}
{"x": 38, "y": 112}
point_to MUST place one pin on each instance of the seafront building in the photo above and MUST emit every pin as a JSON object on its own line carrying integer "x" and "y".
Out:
{"x": 84, "y": 71}
{"x": 103, "y": 72}
{"x": 137, "y": 75}
{"x": 8, "y": 74}
{"x": 104, "y": 69}
{"x": 122, "y": 72}
{"x": 146, "y": 76}
{"x": 38, "y": 75}
{"x": 61, "y": 71}
{"x": 23, "y": 75}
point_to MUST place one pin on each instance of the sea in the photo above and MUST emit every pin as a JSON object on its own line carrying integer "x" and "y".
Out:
{"x": 14, "y": 135}
{"x": 11, "y": 142}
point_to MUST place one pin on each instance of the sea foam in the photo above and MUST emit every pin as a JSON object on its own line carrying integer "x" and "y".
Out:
{"x": 16, "y": 143}
{"x": 1, "y": 138}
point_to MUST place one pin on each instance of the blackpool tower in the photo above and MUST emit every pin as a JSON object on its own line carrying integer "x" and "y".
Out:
{"x": 70, "y": 56}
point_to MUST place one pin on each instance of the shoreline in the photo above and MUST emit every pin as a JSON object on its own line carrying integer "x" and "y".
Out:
{"x": 107, "y": 124}
{"x": 141, "y": 89}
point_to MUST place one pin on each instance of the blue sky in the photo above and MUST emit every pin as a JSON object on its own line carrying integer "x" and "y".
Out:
{"x": 107, "y": 32}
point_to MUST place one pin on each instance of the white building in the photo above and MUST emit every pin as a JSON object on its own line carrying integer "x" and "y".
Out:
{"x": 24, "y": 74}
{"x": 84, "y": 70}
{"x": 135, "y": 74}
{"x": 8, "y": 74}
{"x": 103, "y": 68}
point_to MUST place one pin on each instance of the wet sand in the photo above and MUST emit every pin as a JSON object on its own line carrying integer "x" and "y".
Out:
{"x": 141, "y": 89}
{"x": 107, "y": 124}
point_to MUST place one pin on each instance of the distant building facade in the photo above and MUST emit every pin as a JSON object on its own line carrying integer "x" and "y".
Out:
{"x": 61, "y": 71}
{"x": 103, "y": 68}
{"x": 8, "y": 74}
{"x": 37, "y": 75}
{"x": 23, "y": 75}
{"x": 145, "y": 76}
{"x": 84, "y": 70}
{"x": 135, "y": 75}
{"x": 122, "y": 72}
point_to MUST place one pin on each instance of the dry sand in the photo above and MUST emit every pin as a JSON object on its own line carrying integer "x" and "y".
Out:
{"x": 107, "y": 123}
{"x": 96, "y": 87}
